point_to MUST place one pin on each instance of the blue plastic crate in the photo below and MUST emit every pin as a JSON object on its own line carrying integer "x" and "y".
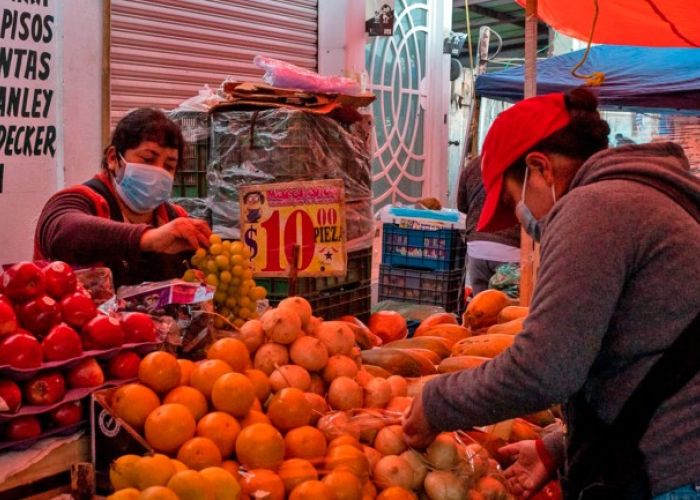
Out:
{"x": 441, "y": 250}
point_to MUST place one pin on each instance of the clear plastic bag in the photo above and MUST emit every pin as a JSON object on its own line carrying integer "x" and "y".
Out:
{"x": 282, "y": 74}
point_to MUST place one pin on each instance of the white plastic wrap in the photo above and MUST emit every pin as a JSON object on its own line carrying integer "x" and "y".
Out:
{"x": 282, "y": 74}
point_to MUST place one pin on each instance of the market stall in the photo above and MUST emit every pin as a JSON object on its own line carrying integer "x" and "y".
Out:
{"x": 636, "y": 78}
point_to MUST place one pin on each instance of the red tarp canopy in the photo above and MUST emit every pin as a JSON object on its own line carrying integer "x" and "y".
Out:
{"x": 656, "y": 23}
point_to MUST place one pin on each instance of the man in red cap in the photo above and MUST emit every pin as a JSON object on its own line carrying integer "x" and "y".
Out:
{"x": 619, "y": 284}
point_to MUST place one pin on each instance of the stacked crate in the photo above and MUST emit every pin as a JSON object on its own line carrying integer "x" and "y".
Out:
{"x": 231, "y": 147}
{"x": 422, "y": 265}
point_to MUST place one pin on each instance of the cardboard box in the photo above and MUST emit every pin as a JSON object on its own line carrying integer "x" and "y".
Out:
{"x": 111, "y": 437}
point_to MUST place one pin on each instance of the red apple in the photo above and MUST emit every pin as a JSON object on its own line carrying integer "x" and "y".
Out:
{"x": 24, "y": 427}
{"x": 60, "y": 279}
{"x": 138, "y": 327}
{"x": 87, "y": 373}
{"x": 45, "y": 389}
{"x": 77, "y": 309}
{"x": 62, "y": 342}
{"x": 10, "y": 396}
{"x": 23, "y": 281}
{"x": 67, "y": 414}
{"x": 8, "y": 319}
{"x": 103, "y": 332}
{"x": 39, "y": 315}
{"x": 20, "y": 350}
{"x": 124, "y": 365}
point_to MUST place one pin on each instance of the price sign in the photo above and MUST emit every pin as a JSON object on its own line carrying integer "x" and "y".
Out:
{"x": 277, "y": 217}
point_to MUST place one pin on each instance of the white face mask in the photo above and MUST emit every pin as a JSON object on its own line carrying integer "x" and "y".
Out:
{"x": 525, "y": 216}
{"x": 143, "y": 187}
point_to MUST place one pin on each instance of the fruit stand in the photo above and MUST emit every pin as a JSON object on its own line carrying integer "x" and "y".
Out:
{"x": 281, "y": 404}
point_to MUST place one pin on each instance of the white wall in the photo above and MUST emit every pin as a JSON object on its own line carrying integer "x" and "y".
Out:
{"x": 75, "y": 78}
{"x": 341, "y": 37}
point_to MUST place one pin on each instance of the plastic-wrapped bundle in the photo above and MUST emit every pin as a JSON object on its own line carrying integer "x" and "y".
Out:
{"x": 283, "y": 145}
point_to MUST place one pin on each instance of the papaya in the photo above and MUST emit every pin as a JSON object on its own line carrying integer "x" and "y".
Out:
{"x": 376, "y": 371}
{"x": 363, "y": 335}
{"x": 541, "y": 418}
{"x": 435, "y": 319}
{"x": 457, "y": 363}
{"x": 399, "y": 361}
{"x": 510, "y": 328}
{"x": 483, "y": 309}
{"x": 509, "y": 313}
{"x": 488, "y": 346}
{"x": 522, "y": 430}
{"x": 438, "y": 345}
{"x": 431, "y": 355}
{"x": 452, "y": 333}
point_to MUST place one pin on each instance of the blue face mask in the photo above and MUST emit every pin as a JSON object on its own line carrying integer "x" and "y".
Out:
{"x": 143, "y": 187}
{"x": 530, "y": 223}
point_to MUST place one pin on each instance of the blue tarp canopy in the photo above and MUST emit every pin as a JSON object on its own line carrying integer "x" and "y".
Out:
{"x": 635, "y": 77}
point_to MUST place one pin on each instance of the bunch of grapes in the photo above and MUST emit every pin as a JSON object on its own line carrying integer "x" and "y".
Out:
{"x": 226, "y": 266}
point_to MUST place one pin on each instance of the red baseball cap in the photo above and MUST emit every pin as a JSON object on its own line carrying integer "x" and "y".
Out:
{"x": 514, "y": 132}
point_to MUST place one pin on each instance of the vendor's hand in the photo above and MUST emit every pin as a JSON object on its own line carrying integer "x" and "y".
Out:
{"x": 418, "y": 433}
{"x": 176, "y": 236}
{"x": 528, "y": 474}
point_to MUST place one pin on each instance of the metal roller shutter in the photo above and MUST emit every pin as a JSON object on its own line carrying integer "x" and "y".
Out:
{"x": 163, "y": 51}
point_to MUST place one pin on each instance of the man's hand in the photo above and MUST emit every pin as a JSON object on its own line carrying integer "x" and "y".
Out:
{"x": 418, "y": 432}
{"x": 529, "y": 473}
{"x": 176, "y": 236}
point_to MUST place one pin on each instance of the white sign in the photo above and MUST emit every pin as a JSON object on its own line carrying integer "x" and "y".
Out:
{"x": 28, "y": 130}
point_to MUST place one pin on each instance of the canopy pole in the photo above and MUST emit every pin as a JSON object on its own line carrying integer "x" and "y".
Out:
{"x": 527, "y": 249}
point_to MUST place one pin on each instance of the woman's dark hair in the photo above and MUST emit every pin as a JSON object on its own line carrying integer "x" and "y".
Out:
{"x": 586, "y": 134}
{"x": 147, "y": 124}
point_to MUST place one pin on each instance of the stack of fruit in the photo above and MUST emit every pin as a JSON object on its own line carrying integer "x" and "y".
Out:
{"x": 226, "y": 266}
{"x": 52, "y": 340}
{"x": 289, "y": 409}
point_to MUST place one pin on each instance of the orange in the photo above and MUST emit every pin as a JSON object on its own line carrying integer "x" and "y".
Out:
{"x": 256, "y": 405}
{"x": 263, "y": 480}
{"x": 295, "y": 471}
{"x": 189, "y": 397}
{"x": 254, "y": 417}
{"x": 206, "y": 372}
{"x": 388, "y": 325}
{"x": 199, "y": 453}
{"x": 191, "y": 484}
{"x": 158, "y": 493}
{"x": 369, "y": 491}
{"x": 232, "y": 467}
{"x": 226, "y": 487}
{"x": 397, "y": 493}
{"x": 344, "y": 484}
{"x": 260, "y": 382}
{"x": 233, "y": 393}
{"x": 345, "y": 439}
{"x": 160, "y": 371}
{"x": 289, "y": 408}
{"x": 232, "y": 351}
{"x": 186, "y": 367}
{"x": 348, "y": 457}
{"x": 133, "y": 402}
{"x": 168, "y": 426}
{"x": 260, "y": 446}
{"x": 312, "y": 490}
{"x": 222, "y": 429}
{"x": 305, "y": 442}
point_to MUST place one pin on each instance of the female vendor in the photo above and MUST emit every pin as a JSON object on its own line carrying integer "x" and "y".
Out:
{"x": 121, "y": 218}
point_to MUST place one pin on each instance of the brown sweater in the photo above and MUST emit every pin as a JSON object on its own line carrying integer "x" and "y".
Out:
{"x": 470, "y": 201}
{"x": 70, "y": 230}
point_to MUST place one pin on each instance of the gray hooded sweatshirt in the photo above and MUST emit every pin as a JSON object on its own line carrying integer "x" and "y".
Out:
{"x": 619, "y": 281}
